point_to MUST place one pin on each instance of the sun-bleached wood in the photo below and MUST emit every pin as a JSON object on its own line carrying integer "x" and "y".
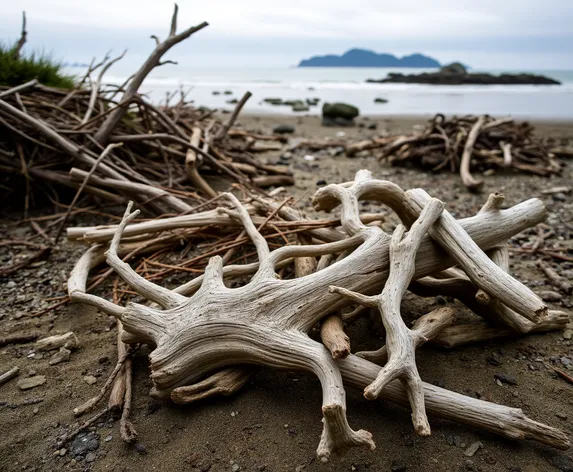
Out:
{"x": 482, "y": 271}
{"x": 401, "y": 342}
{"x": 426, "y": 327}
{"x": 266, "y": 322}
{"x": 469, "y": 181}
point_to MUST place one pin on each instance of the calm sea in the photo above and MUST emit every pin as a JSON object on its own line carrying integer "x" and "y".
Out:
{"x": 348, "y": 85}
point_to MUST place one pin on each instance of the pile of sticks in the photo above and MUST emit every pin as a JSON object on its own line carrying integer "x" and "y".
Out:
{"x": 208, "y": 331}
{"x": 466, "y": 144}
{"x": 115, "y": 145}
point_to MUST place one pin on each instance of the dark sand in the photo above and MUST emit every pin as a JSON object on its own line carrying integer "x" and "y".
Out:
{"x": 273, "y": 424}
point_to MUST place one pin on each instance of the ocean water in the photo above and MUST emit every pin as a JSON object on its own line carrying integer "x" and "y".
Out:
{"x": 348, "y": 85}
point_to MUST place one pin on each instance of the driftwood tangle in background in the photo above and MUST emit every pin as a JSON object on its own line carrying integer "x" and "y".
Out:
{"x": 51, "y": 138}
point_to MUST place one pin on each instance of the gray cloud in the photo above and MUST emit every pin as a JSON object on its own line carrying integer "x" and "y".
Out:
{"x": 488, "y": 33}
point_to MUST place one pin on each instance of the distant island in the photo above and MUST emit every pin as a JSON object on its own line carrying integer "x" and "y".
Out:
{"x": 457, "y": 74}
{"x": 367, "y": 58}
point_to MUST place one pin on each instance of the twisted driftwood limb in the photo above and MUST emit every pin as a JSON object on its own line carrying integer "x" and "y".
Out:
{"x": 508, "y": 422}
{"x": 266, "y": 321}
{"x": 426, "y": 327}
{"x": 401, "y": 342}
{"x": 467, "y": 178}
{"x": 23, "y": 37}
{"x": 225, "y": 382}
{"x": 482, "y": 271}
{"x": 104, "y": 132}
{"x": 481, "y": 330}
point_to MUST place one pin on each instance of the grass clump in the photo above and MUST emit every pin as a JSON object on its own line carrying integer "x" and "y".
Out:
{"x": 17, "y": 69}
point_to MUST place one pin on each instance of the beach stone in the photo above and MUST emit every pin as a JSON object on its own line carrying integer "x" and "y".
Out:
{"x": 90, "y": 457}
{"x": 90, "y": 379}
{"x": 340, "y": 110}
{"x": 506, "y": 379}
{"x": 300, "y": 107}
{"x": 380, "y": 100}
{"x": 550, "y": 296}
{"x": 568, "y": 334}
{"x": 140, "y": 448}
{"x": 372, "y": 126}
{"x": 31, "y": 382}
{"x": 84, "y": 443}
{"x": 473, "y": 448}
{"x": 283, "y": 129}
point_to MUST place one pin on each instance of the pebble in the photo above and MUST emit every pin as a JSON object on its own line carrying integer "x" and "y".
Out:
{"x": 550, "y": 296}
{"x": 473, "y": 448}
{"x": 568, "y": 334}
{"x": 31, "y": 382}
{"x": 108, "y": 438}
{"x": 506, "y": 379}
{"x": 90, "y": 379}
{"x": 493, "y": 361}
{"x": 235, "y": 467}
{"x": 11, "y": 284}
{"x": 321, "y": 182}
{"x": 140, "y": 448}
{"x": 561, "y": 416}
{"x": 373, "y": 126}
{"x": 84, "y": 443}
{"x": 90, "y": 457}
{"x": 565, "y": 361}
{"x": 283, "y": 129}
{"x": 36, "y": 410}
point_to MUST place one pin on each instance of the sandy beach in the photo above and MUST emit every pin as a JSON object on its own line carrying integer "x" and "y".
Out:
{"x": 273, "y": 424}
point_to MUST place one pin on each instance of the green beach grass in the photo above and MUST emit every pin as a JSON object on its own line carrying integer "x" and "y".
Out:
{"x": 16, "y": 71}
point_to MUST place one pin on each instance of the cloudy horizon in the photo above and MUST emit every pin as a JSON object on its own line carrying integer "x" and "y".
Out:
{"x": 487, "y": 34}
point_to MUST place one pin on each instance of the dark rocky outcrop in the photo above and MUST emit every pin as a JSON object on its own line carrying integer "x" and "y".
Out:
{"x": 339, "y": 114}
{"x": 457, "y": 74}
{"x": 366, "y": 58}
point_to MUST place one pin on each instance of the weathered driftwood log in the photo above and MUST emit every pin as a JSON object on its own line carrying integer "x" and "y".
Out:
{"x": 266, "y": 321}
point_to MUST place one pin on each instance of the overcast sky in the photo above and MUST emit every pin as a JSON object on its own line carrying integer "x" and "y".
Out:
{"x": 511, "y": 34}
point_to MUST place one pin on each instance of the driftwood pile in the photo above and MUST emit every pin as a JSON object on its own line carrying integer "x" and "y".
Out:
{"x": 110, "y": 141}
{"x": 205, "y": 332}
{"x": 467, "y": 144}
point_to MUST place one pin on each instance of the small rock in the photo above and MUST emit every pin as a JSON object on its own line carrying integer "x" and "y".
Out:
{"x": 568, "y": 334}
{"x": 84, "y": 443}
{"x": 235, "y": 467}
{"x": 103, "y": 359}
{"x": 372, "y": 126}
{"x": 11, "y": 284}
{"x": 284, "y": 129}
{"x": 398, "y": 467}
{"x": 562, "y": 462}
{"x": 90, "y": 379}
{"x": 309, "y": 158}
{"x": 31, "y": 382}
{"x": 321, "y": 182}
{"x": 63, "y": 355}
{"x": 140, "y": 448}
{"x": 506, "y": 379}
{"x": 63, "y": 452}
{"x": 474, "y": 447}
{"x": 90, "y": 457}
{"x": 550, "y": 296}
{"x": 561, "y": 416}
{"x": 559, "y": 197}
{"x": 493, "y": 361}
{"x": 36, "y": 410}
{"x": 565, "y": 361}
{"x": 380, "y": 100}
{"x": 108, "y": 438}
{"x": 457, "y": 441}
